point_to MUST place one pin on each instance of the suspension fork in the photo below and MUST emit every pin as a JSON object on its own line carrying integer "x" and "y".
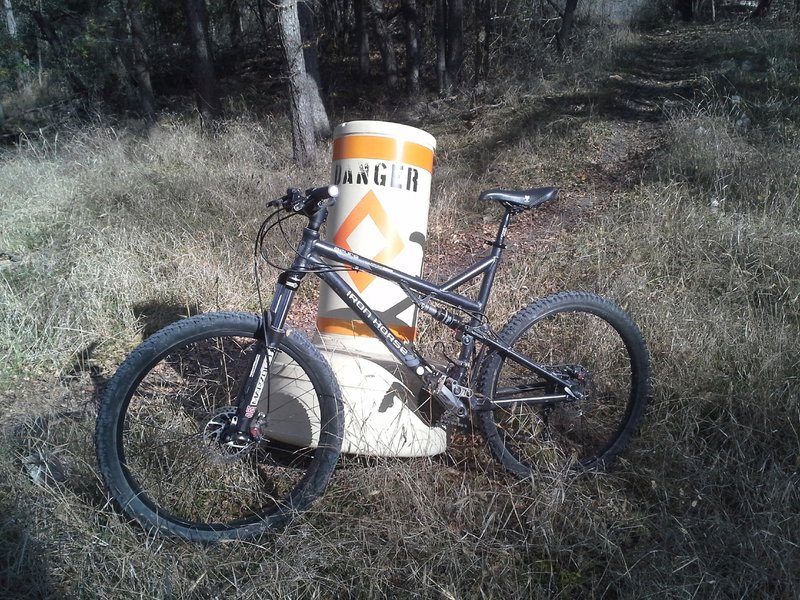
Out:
{"x": 247, "y": 424}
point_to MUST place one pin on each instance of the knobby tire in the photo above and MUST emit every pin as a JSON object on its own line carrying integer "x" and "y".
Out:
{"x": 567, "y": 332}
{"x": 160, "y": 419}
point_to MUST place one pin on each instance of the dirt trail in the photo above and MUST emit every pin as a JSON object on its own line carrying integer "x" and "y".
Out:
{"x": 660, "y": 73}
{"x": 631, "y": 104}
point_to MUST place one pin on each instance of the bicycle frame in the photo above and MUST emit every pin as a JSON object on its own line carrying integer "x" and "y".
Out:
{"x": 311, "y": 255}
{"x": 313, "y": 251}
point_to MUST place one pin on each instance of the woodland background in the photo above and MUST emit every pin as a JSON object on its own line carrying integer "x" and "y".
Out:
{"x": 141, "y": 140}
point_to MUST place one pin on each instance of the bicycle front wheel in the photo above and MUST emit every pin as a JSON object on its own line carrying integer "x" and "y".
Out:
{"x": 593, "y": 343}
{"x": 160, "y": 424}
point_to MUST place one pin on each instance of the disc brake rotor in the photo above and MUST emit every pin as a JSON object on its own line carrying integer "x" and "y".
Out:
{"x": 212, "y": 437}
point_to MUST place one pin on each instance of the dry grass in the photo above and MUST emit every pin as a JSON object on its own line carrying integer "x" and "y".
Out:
{"x": 119, "y": 232}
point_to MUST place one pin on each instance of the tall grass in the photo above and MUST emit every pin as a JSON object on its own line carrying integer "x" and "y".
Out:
{"x": 112, "y": 229}
{"x": 118, "y": 232}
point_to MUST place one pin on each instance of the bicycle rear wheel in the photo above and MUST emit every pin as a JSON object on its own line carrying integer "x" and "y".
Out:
{"x": 161, "y": 417}
{"x": 584, "y": 338}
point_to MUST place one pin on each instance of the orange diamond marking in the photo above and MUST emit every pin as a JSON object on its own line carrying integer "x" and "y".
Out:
{"x": 369, "y": 206}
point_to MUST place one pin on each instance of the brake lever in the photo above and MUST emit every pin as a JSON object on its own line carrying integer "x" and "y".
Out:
{"x": 296, "y": 201}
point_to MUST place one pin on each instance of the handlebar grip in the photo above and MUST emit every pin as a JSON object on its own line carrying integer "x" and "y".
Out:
{"x": 322, "y": 193}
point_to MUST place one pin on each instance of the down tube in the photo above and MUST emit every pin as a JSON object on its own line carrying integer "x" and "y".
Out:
{"x": 406, "y": 356}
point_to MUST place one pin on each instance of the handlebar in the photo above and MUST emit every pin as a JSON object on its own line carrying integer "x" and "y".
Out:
{"x": 307, "y": 203}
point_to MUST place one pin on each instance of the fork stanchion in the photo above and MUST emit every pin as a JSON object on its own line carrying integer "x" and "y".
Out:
{"x": 384, "y": 172}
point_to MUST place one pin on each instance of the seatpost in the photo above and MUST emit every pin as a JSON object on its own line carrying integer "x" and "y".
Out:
{"x": 500, "y": 240}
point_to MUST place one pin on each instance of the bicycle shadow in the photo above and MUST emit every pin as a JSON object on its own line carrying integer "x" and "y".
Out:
{"x": 154, "y": 315}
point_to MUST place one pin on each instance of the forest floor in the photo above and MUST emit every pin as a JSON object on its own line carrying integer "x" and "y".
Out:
{"x": 629, "y": 105}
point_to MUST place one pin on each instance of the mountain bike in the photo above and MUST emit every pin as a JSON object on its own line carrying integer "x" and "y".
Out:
{"x": 226, "y": 425}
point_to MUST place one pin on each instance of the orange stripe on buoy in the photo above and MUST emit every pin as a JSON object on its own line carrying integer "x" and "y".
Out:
{"x": 383, "y": 148}
{"x": 345, "y": 327}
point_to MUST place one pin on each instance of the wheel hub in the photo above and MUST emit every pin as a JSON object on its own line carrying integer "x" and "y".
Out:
{"x": 214, "y": 432}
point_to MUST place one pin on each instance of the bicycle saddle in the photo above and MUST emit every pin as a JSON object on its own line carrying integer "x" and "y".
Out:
{"x": 521, "y": 198}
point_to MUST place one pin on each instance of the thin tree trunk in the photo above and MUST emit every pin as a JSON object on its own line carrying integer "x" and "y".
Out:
{"x": 383, "y": 35}
{"x": 205, "y": 80}
{"x": 761, "y": 9}
{"x": 234, "y": 23}
{"x": 455, "y": 40}
{"x": 300, "y": 109}
{"x": 411, "y": 17}
{"x": 262, "y": 21}
{"x": 322, "y": 126}
{"x": 567, "y": 19}
{"x": 483, "y": 30}
{"x": 440, "y": 26}
{"x": 362, "y": 34}
{"x": 49, "y": 34}
{"x": 141, "y": 71}
{"x": 11, "y": 22}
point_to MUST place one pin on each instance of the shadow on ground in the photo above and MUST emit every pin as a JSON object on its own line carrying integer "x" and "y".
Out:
{"x": 24, "y": 573}
{"x": 652, "y": 73}
{"x": 154, "y": 315}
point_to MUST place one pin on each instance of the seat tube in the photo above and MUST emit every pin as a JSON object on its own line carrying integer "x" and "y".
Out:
{"x": 467, "y": 341}
{"x": 497, "y": 251}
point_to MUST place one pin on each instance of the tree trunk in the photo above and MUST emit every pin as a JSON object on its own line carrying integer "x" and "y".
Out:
{"x": 11, "y": 22}
{"x": 49, "y": 34}
{"x": 262, "y": 21}
{"x": 761, "y": 9}
{"x": 362, "y": 35}
{"x": 483, "y": 31}
{"x": 411, "y": 17}
{"x": 305, "y": 15}
{"x": 567, "y": 19}
{"x": 440, "y": 26}
{"x": 336, "y": 15}
{"x": 205, "y": 81}
{"x": 383, "y": 36}
{"x": 455, "y": 40}
{"x": 300, "y": 108}
{"x": 141, "y": 71}
{"x": 234, "y": 15}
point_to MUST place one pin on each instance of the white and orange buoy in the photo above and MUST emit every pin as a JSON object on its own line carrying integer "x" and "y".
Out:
{"x": 383, "y": 171}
